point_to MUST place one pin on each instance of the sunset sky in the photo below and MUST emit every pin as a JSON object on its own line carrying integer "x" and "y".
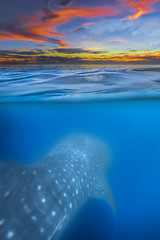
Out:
{"x": 80, "y": 31}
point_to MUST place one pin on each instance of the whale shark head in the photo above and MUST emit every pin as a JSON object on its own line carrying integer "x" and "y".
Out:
{"x": 37, "y": 201}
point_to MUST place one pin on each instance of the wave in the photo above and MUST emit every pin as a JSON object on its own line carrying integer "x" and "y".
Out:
{"x": 52, "y": 83}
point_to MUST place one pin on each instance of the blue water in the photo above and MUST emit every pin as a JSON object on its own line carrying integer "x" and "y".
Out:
{"x": 41, "y": 105}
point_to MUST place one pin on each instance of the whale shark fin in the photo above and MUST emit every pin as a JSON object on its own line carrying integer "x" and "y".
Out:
{"x": 102, "y": 190}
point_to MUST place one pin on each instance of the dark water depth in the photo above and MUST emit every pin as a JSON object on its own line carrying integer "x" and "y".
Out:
{"x": 131, "y": 131}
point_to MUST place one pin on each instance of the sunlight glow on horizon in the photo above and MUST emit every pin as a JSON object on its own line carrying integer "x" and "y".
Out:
{"x": 120, "y": 31}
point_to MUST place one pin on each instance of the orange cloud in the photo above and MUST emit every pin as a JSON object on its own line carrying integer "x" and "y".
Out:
{"x": 47, "y": 22}
{"x": 42, "y": 29}
{"x": 31, "y": 37}
{"x": 94, "y": 48}
{"x": 88, "y": 24}
{"x": 14, "y": 36}
{"x": 118, "y": 40}
{"x": 142, "y": 7}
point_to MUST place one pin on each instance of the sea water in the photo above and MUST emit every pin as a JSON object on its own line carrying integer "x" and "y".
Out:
{"x": 120, "y": 105}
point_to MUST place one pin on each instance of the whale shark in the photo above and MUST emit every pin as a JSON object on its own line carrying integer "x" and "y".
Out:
{"x": 38, "y": 200}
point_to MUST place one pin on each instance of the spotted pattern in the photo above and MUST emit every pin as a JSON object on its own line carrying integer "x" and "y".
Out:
{"x": 32, "y": 196}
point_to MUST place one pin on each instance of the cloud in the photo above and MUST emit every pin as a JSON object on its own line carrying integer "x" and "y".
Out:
{"x": 84, "y": 26}
{"x": 78, "y": 29}
{"x": 70, "y": 50}
{"x": 76, "y": 50}
{"x": 141, "y": 7}
{"x": 88, "y": 24}
{"x": 120, "y": 40}
{"x": 77, "y": 56}
{"x": 65, "y": 3}
{"x": 40, "y": 45}
{"x": 94, "y": 48}
{"x": 25, "y": 35}
{"x": 57, "y": 60}
{"x": 142, "y": 33}
{"x": 47, "y": 7}
{"x": 68, "y": 23}
{"x": 42, "y": 28}
{"x": 10, "y": 53}
{"x": 49, "y": 16}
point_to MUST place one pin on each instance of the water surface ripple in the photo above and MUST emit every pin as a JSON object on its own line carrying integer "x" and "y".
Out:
{"x": 52, "y": 83}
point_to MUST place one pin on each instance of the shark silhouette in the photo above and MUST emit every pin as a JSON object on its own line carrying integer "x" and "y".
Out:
{"x": 37, "y": 201}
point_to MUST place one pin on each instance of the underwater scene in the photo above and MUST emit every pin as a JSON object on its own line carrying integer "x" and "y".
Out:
{"x": 79, "y": 152}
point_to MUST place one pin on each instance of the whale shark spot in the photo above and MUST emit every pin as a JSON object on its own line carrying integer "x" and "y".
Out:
{"x": 53, "y": 213}
{"x": 42, "y": 230}
{"x": 70, "y": 205}
{"x": 6, "y": 194}
{"x": 64, "y": 180}
{"x": 27, "y": 209}
{"x": 10, "y": 234}
{"x": 39, "y": 187}
{"x": 43, "y": 200}
{"x": 34, "y": 218}
{"x": 2, "y": 222}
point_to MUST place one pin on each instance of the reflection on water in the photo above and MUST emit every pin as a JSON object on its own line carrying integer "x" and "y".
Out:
{"x": 50, "y": 83}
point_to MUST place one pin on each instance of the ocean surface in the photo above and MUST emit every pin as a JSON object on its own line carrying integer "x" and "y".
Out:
{"x": 120, "y": 105}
